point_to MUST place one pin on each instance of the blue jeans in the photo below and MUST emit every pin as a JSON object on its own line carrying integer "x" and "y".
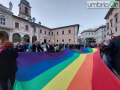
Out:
{"x": 108, "y": 58}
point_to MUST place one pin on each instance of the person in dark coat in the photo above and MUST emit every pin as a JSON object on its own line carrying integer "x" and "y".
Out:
{"x": 36, "y": 47}
{"x": 8, "y": 65}
{"x": 108, "y": 53}
{"x": 51, "y": 48}
{"x": 24, "y": 46}
{"x": 39, "y": 46}
{"x": 101, "y": 48}
{"x": 19, "y": 47}
{"x": 79, "y": 46}
{"x": 60, "y": 47}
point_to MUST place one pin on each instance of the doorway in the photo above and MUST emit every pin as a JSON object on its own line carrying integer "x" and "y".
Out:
{"x": 45, "y": 41}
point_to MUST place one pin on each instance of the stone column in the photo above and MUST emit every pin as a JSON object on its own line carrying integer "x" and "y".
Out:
{"x": 10, "y": 35}
{"x": 22, "y": 35}
{"x": 31, "y": 39}
{"x": 38, "y": 38}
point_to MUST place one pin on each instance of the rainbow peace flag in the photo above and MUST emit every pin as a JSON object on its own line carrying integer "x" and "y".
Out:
{"x": 67, "y": 70}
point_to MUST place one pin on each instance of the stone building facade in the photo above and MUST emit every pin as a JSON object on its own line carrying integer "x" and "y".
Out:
{"x": 90, "y": 33}
{"x": 11, "y": 25}
{"x": 113, "y": 22}
{"x": 99, "y": 34}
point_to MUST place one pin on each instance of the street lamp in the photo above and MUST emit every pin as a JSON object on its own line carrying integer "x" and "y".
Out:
{"x": 33, "y": 25}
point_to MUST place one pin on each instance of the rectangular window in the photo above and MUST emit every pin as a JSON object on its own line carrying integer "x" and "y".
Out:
{"x": 45, "y": 32}
{"x": 62, "y": 32}
{"x": 40, "y": 31}
{"x": 69, "y": 40}
{"x": 107, "y": 26}
{"x": 57, "y": 40}
{"x": 111, "y": 23}
{"x": 63, "y": 40}
{"x": 69, "y": 31}
{"x": 2, "y": 21}
{"x": 57, "y": 32}
{"x": 52, "y": 33}
{"x": 26, "y": 27}
{"x": 116, "y": 29}
{"x": 111, "y": 31}
{"x": 16, "y": 24}
{"x": 104, "y": 29}
{"x": 89, "y": 33}
{"x": 86, "y": 33}
{"x": 49, "y": 40}
{"x": 49, "y": 33}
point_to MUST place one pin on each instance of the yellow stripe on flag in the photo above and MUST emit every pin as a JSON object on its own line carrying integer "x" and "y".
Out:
{"x": 94, "y": 49}
{"x": 63, "y": 79}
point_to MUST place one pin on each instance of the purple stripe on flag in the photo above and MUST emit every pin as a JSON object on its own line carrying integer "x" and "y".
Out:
{"x": 28, "y": 59}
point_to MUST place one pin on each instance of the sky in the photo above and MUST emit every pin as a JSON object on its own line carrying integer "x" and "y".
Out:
{"x": 58, "y": 13}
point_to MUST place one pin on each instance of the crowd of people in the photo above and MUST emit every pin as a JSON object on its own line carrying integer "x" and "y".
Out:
{"x": 107, "y": 51}
{"x": 42, "y": 47}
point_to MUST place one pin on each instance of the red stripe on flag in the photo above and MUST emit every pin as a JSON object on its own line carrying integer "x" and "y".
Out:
{"x": 103, "y": 78}
{"x": 82, "y": 79}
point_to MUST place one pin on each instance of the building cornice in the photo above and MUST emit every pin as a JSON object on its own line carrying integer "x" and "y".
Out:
{"x": 103, "y": 26}
{"x": 24, "y": 14}
{"x": 5, "y": 9}
{"x": 3, "y": 27}
{"x": 25, "y": 2}
{"x": 108, "y": 13}
{"x": 66, "y": 26}
{"x": 110, "y": 10}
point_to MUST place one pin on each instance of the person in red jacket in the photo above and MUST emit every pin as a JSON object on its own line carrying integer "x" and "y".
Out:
{"x": 1, "y": 47}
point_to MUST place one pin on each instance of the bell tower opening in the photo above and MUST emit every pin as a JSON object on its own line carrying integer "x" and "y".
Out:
{"x": 24, "y": 9}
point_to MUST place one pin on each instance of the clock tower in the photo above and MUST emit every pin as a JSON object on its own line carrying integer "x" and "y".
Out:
{"x": 24, "y": 9}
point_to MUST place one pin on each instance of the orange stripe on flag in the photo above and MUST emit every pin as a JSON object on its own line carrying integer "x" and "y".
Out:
{"x": 83, "y": 78}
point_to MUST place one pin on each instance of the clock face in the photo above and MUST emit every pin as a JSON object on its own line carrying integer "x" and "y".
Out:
{"x": 26, "y": 18}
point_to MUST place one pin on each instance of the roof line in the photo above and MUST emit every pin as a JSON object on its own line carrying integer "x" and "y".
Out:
{"x": 45, "y": 26}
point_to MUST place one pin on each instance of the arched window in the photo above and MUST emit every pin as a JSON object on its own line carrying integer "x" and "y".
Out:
{"x": 26, "y": 10}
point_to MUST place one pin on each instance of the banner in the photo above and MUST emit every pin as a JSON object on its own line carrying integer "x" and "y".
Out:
{"x": 67, "y": 70}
